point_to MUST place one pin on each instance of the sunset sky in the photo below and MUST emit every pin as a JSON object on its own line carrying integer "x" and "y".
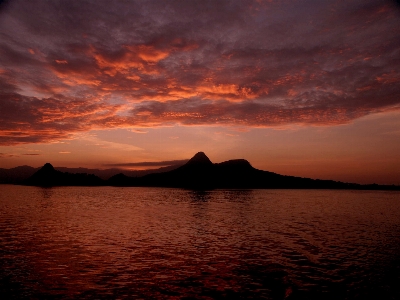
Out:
{"x": 299, "y": 87}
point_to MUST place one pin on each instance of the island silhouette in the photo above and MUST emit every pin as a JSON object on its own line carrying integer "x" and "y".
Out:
{"x": 48, "y": 176}
{"x": 197, "y": 173}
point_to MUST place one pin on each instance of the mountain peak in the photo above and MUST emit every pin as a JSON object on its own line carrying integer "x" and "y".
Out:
{"x": 47, "y": 167}
{"x": 199, "y": 158}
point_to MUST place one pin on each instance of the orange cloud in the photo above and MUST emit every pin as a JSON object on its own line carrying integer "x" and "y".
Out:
{"x": 388, "y": 78}
{"x": 79, "y": 79}
{"x": 149, "y": 53}
{"x": 292, "y": 93}
{"x": 139, "y": 131}
{"x": 140, "y": 58}
{"x": 191, "y": 66}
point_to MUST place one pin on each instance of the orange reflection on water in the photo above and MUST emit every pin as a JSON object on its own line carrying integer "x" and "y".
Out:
{"x": 169, "y": 243}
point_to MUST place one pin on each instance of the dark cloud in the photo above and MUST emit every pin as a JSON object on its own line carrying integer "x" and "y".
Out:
{"x": 250, "y": 113}
{"x": 3, "y": 5}
{"x": 5, "y": 155}
{"x": 92, "y": 64}
{"x": 150, "y": 163}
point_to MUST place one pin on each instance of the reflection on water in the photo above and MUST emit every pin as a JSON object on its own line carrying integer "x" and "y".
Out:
{"x": 200, "y": 196}
{"x": 106, "y": 242}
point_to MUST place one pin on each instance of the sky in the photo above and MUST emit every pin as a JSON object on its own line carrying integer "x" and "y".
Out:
{"x": 308, "y": 88}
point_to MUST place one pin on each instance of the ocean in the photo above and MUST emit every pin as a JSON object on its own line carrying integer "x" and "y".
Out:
{"x": 162, "y": 243}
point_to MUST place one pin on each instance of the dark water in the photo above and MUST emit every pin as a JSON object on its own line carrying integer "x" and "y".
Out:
{"x": 156, "y": 243}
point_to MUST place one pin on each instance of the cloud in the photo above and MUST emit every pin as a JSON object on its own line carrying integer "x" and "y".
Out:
{"x": 89, "y": 65}
{"x": 5, "y": 155}
{"x": 138, "y": 131}
{"x": 30, "y": 119}
{"x": 150, "y": 163}
{"x": 251, "y": 113}
{"x": 93, "y": 140}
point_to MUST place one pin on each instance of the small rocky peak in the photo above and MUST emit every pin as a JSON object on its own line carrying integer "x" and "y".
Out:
{"x": 199, "y": 158}
{"x": 47, "y": 168}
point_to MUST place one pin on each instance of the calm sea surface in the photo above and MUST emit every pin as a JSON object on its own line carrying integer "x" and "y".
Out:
{"x": 156, "y": 243}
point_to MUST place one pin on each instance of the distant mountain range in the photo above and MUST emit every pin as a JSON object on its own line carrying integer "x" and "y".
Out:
{"x": 197, "y": 173}
{"x": 19, "y": 174}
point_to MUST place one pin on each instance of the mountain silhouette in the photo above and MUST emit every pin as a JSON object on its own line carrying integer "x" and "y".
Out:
{"x": 16, "y": 175}
{"x": 198, "y": 173}
{"x": 48, "y": 176}
{"x": 199, "y": 159}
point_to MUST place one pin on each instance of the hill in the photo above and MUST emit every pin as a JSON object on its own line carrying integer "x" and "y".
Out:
{"x": 20, "y": 174}
{"x": 200, "y": 173}
{"x": 48, "y": 176}
{"x": 197, "y": 173}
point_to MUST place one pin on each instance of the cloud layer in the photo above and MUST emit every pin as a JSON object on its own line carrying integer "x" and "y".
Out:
{"x": 149, "y": 163}
{"x": 82, "y": 65}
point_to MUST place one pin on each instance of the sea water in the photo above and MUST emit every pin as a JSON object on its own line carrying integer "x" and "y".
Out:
{"x": 158, "y": 243}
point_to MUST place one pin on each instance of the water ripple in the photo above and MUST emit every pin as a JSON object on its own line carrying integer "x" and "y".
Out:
{"x": 154, "y": 243}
